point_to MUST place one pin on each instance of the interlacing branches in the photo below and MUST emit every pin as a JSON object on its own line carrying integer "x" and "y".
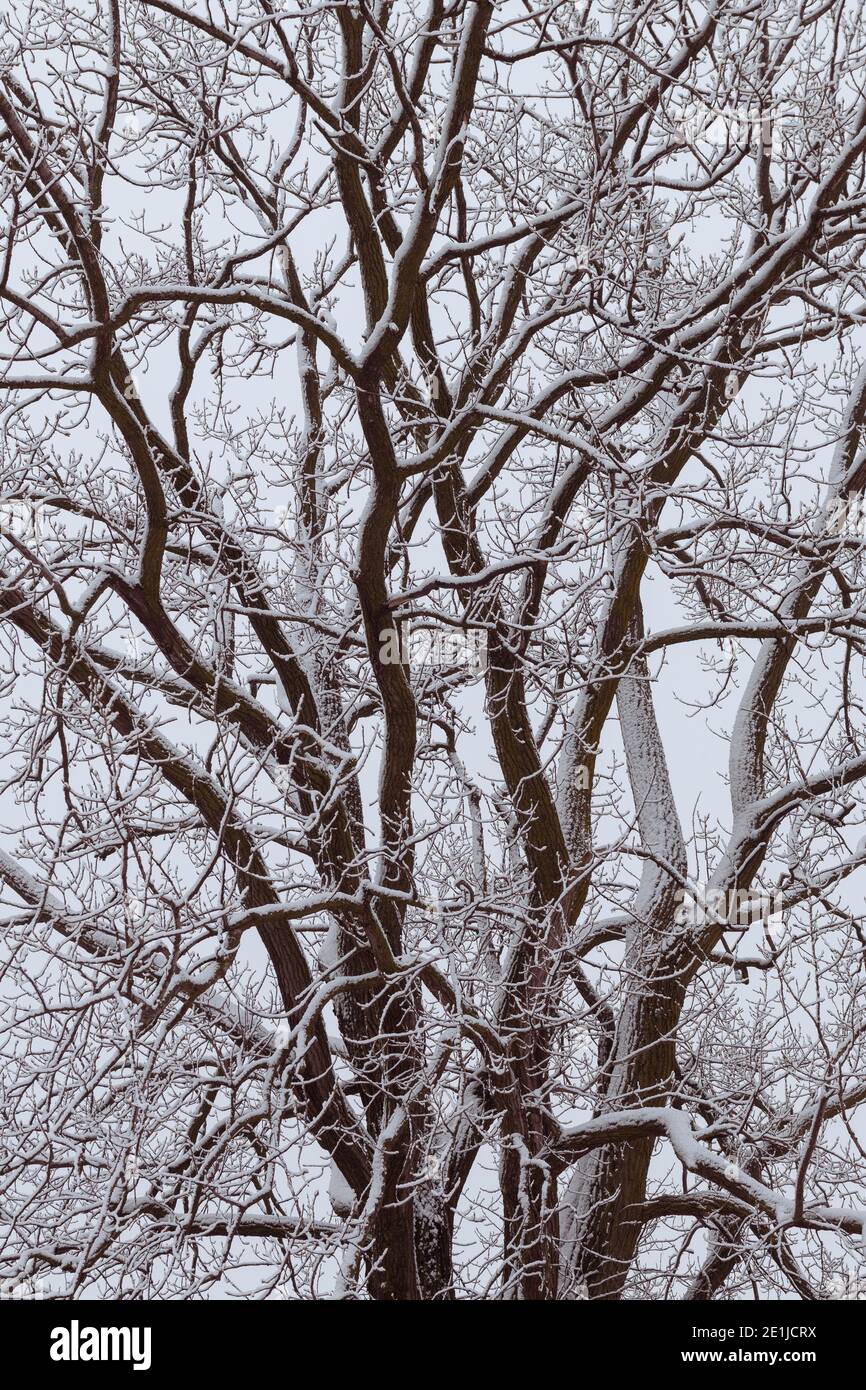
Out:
{"x": 433, "y": 628}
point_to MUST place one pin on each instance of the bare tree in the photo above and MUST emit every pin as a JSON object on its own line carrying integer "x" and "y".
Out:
{"x": 432, "y": 641}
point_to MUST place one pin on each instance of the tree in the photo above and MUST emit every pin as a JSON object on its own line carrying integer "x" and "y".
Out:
{"x": 432, "y": 640}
